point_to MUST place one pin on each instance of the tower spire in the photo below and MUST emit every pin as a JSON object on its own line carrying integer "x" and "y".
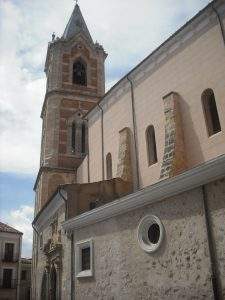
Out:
{"x": 76, "y": 25}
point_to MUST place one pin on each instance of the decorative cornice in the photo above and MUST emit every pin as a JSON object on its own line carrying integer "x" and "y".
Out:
{"x": 44, "y": 216}
{"x": 65, "y": 93}
{"x": 188, "y": 33}
{"x": 198, "y": 176}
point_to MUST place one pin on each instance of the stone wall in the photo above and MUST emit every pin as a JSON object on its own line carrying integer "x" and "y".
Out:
{"x": 43, "y": 262}
{"x": 174, "y": 159}
{"x": 180, "y": 269}
{"x": 49, "y": 181}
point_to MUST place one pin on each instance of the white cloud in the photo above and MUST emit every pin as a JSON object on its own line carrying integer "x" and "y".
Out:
{"x": 128, "y": 29}
{"x": 21, "y": 220}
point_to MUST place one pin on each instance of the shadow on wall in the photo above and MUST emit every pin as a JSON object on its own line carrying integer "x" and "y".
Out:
{"x": 191, "y": 139}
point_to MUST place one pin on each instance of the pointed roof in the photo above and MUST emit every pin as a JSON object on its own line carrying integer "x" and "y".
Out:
{"x": 76, "y": 25}
{"x": 6, "y": 228}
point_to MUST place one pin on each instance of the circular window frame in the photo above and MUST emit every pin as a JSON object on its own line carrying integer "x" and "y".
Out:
{"x": 142, "y": 233}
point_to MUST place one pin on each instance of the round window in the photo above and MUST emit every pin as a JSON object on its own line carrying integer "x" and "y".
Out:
{"x": 150, "y": 233}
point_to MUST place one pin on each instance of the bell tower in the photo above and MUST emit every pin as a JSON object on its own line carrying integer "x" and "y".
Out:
{"x": 75, "y": 83}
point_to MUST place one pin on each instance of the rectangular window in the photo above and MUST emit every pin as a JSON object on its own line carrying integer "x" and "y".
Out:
{"x": 92, "y": 205}
{"x": 7, "y": 278}
{"x": 23, "y": 275}
{"x": 84, "y": 259}
{"x": 9, "y": 251}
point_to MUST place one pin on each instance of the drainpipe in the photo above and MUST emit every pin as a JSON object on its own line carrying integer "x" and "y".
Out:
{"x": 36, "y": 260}
{"x": 102, "y": 132}
{"x": 72, "y": 268}
{"x": 72, "y": 282}
{"x": 212, "y": 247}
{"x": 135, "y": 130}
{"x": 88, "y": 166}
{"x": 18, "y": 270}
{"x": 220, "y": 22}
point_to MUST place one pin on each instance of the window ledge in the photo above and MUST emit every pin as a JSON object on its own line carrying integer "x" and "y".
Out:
{"x": 214, "y": 135}
{"x": 85, "y": 274}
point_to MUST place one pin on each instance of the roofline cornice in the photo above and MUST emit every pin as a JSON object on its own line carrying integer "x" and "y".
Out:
{"x": 194, "y": 178}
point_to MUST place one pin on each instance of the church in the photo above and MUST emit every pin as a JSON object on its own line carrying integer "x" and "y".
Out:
{"x": 131, "y": 187}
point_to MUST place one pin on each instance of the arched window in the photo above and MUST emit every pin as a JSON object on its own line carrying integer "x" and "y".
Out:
{"x": 151, "y": 145}
{"x": 210, "y": 111}
{"x": 73, "y": 137}
{"x": 109, "y": 166}
{"x": 79, "y": 73}
{"x": 83, "y": 138}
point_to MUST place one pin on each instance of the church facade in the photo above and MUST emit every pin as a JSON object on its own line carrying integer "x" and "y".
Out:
{"x": 131, "y": 187}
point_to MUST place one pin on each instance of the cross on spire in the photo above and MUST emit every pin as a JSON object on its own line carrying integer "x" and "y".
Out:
{"x": 76, "y": 24}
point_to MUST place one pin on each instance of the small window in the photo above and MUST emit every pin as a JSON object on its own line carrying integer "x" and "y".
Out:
{"x": 9, "y": 252}
{"x": 109, "y": 166}
{"x": 92, "y": 205}
{"x": 154, "y": 233}
{"x": 84, "y": 259}
{"x": 79, "y": 73}
{"x": 83, "y": 139}
{"x": 150, "y": 233}
{"x": 210, "y": 112}
{"x": 151, "y": 145}
{"x": 23, "y": 275}
{"x": 73, "y": 137}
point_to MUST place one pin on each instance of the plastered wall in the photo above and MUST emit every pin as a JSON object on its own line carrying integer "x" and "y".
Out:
{"x": 193, "y": 68}
{"x": 180, "y": 269}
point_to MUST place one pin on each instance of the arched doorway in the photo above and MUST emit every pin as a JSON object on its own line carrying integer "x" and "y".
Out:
{"x": 53, "y": 283}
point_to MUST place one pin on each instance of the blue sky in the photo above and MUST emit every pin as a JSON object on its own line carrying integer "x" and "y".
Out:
{"x": 16, "y": 189}
{"x": 128, "y": 30}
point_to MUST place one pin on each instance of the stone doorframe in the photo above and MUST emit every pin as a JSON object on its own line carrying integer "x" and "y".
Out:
{"x": 53, "y": 252}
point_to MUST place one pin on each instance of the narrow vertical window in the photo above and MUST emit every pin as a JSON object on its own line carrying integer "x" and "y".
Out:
{"x": 109, "y": 166}
{"x": 86, "y": 259}
{"x": 151, "y": 145}
{"x": 23, "y": 275}
{"x": 83, "y": 138}
{"x": 79, "y": 73}
{"x": 210, "y": 111}
{"x": 73, "y": 137}
{"x": 9, "y": 251}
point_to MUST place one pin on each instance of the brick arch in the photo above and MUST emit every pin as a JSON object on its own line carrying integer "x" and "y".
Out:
{"x": 53, "y": 183}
